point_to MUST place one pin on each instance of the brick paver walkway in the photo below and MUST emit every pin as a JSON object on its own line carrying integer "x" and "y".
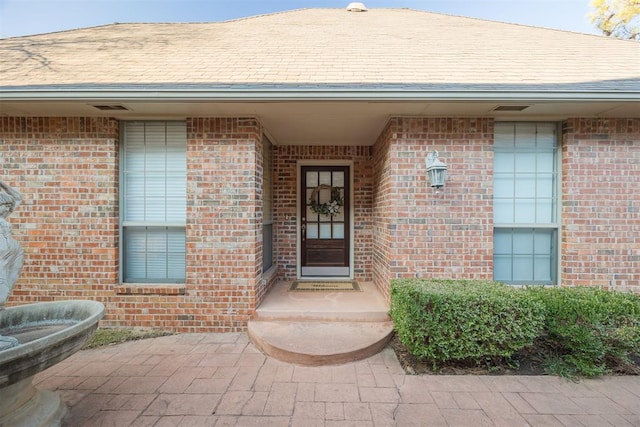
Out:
{"x": 222, "y": 380}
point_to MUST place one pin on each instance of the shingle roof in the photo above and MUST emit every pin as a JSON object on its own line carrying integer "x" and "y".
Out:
{"x": 316, "y": 47}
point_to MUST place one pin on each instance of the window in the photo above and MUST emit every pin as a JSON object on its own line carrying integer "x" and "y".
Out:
{"x": 267, "y": 204}
{"x": 525, "y": 203}
{"x": 153, "y": 213}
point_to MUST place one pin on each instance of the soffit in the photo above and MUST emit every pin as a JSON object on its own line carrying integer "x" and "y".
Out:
{"x": 324, "y": 122}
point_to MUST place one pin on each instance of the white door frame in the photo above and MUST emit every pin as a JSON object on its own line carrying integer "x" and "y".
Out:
{"x": 300, "y": 164}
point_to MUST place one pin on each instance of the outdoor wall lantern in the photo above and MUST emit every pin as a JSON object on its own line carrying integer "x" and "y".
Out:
{"x": 436, "y": 171}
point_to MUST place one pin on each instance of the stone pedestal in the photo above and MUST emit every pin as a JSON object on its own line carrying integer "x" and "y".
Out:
{"x": 47, "y": 333}
{"x": 22, "y": 405}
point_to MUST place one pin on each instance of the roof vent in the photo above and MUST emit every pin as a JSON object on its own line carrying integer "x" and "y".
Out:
{"x": 356, "y": 7}
{"x": 111, "y": 107}
{"x": 510, "y": 107}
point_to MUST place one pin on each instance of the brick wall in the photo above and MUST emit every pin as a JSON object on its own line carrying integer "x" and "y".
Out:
{"x": 224, "y": 219}
{"x": 601, "y": 203}
{"x": 285, "y": 194}
{"x": 419, "y": 233}
{"x": 223, "y": 236}
{"x": 66, "y": 170}
{"x": 383, "y": 208}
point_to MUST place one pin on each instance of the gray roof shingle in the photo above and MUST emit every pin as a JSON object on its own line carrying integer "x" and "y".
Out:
{"x": 381, "y": 48}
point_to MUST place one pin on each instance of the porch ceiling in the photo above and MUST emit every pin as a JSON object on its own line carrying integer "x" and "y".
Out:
{"x": 322, "y": 122}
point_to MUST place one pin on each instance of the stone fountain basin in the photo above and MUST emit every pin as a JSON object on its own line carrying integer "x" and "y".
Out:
{"x": 48, "y": 333}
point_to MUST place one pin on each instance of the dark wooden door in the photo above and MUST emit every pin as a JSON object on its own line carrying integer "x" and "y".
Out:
{"x": 324, "y": 237}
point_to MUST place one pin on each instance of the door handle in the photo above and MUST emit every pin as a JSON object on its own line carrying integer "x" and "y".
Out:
{"x": 303, "y": 230}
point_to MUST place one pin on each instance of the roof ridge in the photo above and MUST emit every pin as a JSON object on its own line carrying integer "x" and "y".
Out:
{"x": 495, "y": 21}
{"x": 410, "y": 9}
{"x": 261, "y": 15}
{"x": 290, "y": 11}
{"x": 112, "y": 24}
{"x": 90, "y": 27}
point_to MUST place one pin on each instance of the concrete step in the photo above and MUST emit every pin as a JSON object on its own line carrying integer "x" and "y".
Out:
{"x": 320, "y": 315}
{"x": 315, "y": 343}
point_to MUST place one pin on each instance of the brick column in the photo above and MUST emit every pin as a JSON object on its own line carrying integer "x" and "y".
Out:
{"x": 224, "y": 219}
{"x": 601, "y": 203}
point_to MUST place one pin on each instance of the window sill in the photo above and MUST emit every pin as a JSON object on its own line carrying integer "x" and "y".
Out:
{"x": 270, "y": 273}
{"x": 151, "y": 289}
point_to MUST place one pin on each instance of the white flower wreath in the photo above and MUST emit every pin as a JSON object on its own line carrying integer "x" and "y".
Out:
{"x": 332, "y": 207}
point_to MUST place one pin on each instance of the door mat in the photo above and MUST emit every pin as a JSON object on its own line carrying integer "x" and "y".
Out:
{"x": 315, "y": 286}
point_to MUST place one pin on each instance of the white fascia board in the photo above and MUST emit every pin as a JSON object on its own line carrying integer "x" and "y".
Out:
{"x": 302, "y": 94}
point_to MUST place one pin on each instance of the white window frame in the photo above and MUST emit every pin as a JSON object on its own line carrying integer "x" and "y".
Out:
{"x": 175, "y": 224}
{"x": 557, "y": 203}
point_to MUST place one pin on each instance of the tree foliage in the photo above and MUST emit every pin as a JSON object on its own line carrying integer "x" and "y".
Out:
{"x": 617, "y": 18}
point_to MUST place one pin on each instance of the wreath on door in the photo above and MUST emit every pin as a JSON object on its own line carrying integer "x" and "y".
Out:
{"x": 330, "y": 208}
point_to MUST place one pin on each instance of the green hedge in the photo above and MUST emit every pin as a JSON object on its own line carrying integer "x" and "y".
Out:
{"x": 441, "y": 320}
{"x": 580, "y": 331}
{"x": 589, "y": 328}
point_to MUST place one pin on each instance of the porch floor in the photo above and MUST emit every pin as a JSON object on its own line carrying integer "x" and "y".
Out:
{"x": 365, "y": 306}
{"x": 321, "y": 328}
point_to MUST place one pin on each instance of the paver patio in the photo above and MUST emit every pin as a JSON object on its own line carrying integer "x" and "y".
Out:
{"x": 222, "y": 380}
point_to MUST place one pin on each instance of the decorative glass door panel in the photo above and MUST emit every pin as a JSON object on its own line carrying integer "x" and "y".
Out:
{"x": 324, "y": 235}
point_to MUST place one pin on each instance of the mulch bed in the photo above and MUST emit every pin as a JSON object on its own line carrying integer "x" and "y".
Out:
{"x": 529, "y": 361}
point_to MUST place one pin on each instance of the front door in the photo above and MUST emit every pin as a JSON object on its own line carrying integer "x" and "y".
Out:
{"x": 324, "y": 234}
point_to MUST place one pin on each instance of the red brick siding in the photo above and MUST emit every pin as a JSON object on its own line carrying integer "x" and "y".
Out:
{"x": 423, "y": 234}
{"x": 383, "y": 209}
{"x": 224, "y": 220}
{"x": 285, "y": 194}
{"x": 66, "y": 170}
{"x": 601, "y": 203}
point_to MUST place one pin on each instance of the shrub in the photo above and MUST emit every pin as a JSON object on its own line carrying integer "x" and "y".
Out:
{"x": 589, "y": 328}
{"x": 443, "y": 320}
